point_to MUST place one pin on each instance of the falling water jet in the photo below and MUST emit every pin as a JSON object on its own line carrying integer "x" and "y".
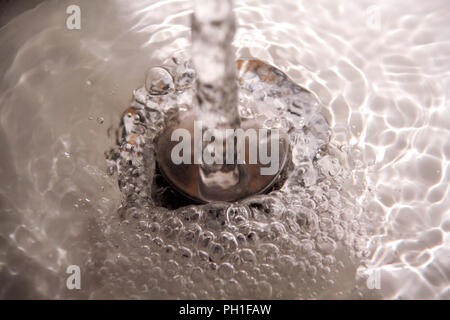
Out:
{"x": 213, "y": 29}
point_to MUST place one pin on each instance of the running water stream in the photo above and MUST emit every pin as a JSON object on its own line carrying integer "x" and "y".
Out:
{"x": 213, "y": 57}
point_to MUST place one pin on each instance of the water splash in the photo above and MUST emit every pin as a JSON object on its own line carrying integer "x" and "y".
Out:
{"x": 213, "y": 57}
{"x": 280, "y": 245}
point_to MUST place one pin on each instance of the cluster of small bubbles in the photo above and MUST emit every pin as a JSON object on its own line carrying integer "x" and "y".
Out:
{"x": 285, "y": 244}
{"x": 159, "y": 81}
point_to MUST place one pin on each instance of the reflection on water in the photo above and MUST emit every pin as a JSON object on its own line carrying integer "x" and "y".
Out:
{"x": 380, "y": 70}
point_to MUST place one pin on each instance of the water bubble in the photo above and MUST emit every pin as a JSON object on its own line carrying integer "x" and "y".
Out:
{"x": 216, "y": 251}
{"x": 241, "y": 276}
{"x": 205, "y": 239}
{"x": 326, "y": 225}
{"x": 268, "y": 252}
{"x": 189, "y": 236}
{"x": 276, "y": 230}
{"x": 154, "y": 228}
{"x": 252, "y": 237}
{"x": 328, "y": 166}
{"x": 184, "y": 254}
{"x": 228, "y": 241}
{"x": 263, "y": 290}
{"x": 215, "y": 215}
{"x": 159, "y": 81}
{"x": 233, "y": 288}
{"x": 211, "y": 270}
{"x": 197, "y": 274}
{"x": 326, "y": 244}
{"x": 190, "y": 214}
{"x": 157, "y": 243}
{"x": 172, "y": 227}
{"x": 237, "y": 214}
{"x": 315, "y": 258}
{"x": 246, "y": 112}
{"x": 312, "y": 271}
{"x": 184, "y": 76}
{"x": 226, "y": 271}
{"x": 168, "y": 252}
{"x": 328, "y": 260}
{"x": 307, "y": 245}
{"x": 302, "y": 219}
{"x": 309, "y": 203}
{"x": 247, "y": 256}
{"x": 265, "y": 205}
{"x": 172, "y": 268}
{"x": 339, "y": 232}
{"x": 180, "y": 57}
{"x": 143, "y": 225}
{"x": 287, "y": 264}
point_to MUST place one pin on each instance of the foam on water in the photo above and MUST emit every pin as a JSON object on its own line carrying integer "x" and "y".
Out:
{"x": 384, "y": 90}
